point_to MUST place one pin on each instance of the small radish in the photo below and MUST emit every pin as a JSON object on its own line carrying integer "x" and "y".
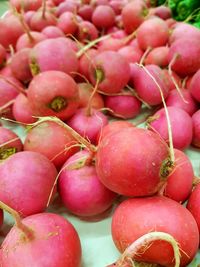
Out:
{"x": 132, "y": 177}
{"x": 53, "y": 93}
{"x": 39, "y": 21}
{"x": 143, "y": 216}
{"x": 52, "y": 32}
{"x": 66, "y": 6}
{"x": 67, "y": 23}
{"x": 105, "y": 71}
{"x": 10, "y": 143}
{"x": 132, "y": 55}
{"x": 63, "y": 143}
{"x": 158, "y": 56}
{"x": 111, "y": 44}
{"x": 87, "y": 32}
{"x": 103, "y": 17}
{"x": 27, "y": 5}
{"x": 194, "y": 87}
{"x": 168, "y": 78}
{"x": 80, "y": 189}
{"x": 196, "y": 129}
{"x": 27, "y": 190}
{"x": 181, "y": 124}
{"x": 85, "y": 61}
{"x": 25, "y": 42}
{"x": 86, "y": 11}
{"x": 163, "y": 12}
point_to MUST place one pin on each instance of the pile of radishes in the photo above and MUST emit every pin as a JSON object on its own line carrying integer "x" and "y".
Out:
{"x": 74, "y": 74}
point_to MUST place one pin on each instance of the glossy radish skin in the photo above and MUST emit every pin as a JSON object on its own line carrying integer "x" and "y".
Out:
{"x": 138, "y": 216}
{"x": 123, "y": 106}
{"x": 132, "y": 55}
{"x": 27, "y": 190}
{"x": 152, "y": 33}
{"x": 145, "y": 86}
{"x": 86, "y": 11}
{"x": 181, "y": 124}
{"x": 52, "y": 32}
{"x": 54, "y": 134}
{"x": 87, "y": 31}
{"x": 103, "y": 17}
{"x": 131, "y": 177}
{"x": 158, "y": 56}
{"x": 110, "y": 44}
{"x": 38, "y": 22}
{"x": 194, "y": 86}
{"x": 196, "y": 128}
{"x": 52, "y": 235}
{"x": 80, "y": 188}
{"x": 53, "y": 93}
{"x": 53, "y": 54}
{"x": 89, "y": 126}
{"x": 186, "y": 52}
{"x": 25, "y": 42}
{"x": 67, "y": 22}
{"x": 10, "y": 148}
{"x": 180, "y": 180}
{"x": 109, "y": 64}
{"x": 188, "y": 104}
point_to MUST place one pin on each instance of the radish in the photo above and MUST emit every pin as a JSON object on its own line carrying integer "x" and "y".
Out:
{"x": 143, "y": 216}
{"x": 181, "y": 124}
{"x": 2, "y": 56}
{"x": 186, "y": 102}
{"x": 53, "y": 54}
{"x": 66, "y": 6}
{"x": 52, "y": 32}
{"x": 10, "y": 143}
{"x": 53, "y": 93}
{"x": 103, "y": 17}
{"x": 132, "y": 177}
{"x": 27, "y": 190}
{"x": 27, "y": 17}
{"x": 183, "y": 55}
{"x": 67, "y": 23}
{"x": 124, "y": 106}
{"x": 64, "y": 144}
{"x": 152, "y": 33}
{"x": 105, "y": 71}
{"x": 80, "y": 189}
{"x": 194, "y": 86}
{"x": 24, "y": 40}
{"x": 39, "y": 21}
{"x": 86, "y": 11}
{"x": 27, "y": 5}
{"x": 196, "y": 129}
{"x": 158, "y": 56}
{"x": 20, "y": 65}
{"x": 163, "y": 12}
{"x": 36, "y": 236}
{"x": 111, "y": 44}
{"x": 168, "y": 78}
{"x": 179, "y": 182}
{"x": 85, "y": 61}
{"x": 130, "y": 54}
{"x": 22, "y": 111}
{"x": 86, "y": 32}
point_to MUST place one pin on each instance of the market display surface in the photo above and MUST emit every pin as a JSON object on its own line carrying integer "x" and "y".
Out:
{"x": 99, "y": 133}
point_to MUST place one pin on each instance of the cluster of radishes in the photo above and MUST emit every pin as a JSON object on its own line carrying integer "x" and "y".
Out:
{"x": 66, "y": 68}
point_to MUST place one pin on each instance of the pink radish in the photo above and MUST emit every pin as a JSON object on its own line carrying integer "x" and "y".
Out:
{"x": 186, "y": 102}
{"x": 52, "y": 32}
{"x": 80, "y": 189}
{"x": 142, "y": 216}
{"x": 38, "y": 235}
{"x": 86, "y": 31}
{"x": 38, "y": 21}
{"x": 64, "y": 144}
{"x": 168, "y": 78}
{"x": 105, "y": 71}
{"x": 103, "y": 16}
{"x": 67, "y": 23}
{"x": 53, "y": 93}
{"x": 181, "y": 124}
{"x": 85, "y": 61}
{"x": 194, "y": 86}
{"x": 132, "y": 55}
{"x": 158, "y": 56}
{"x": 163, "y": 12}
{"x": 10, "y": 143}
{"x": 27, "y": 5}
{"x": 125, "y": 177}
{"x": 196, "y": 129}
{"x": 27, "y": 190}
{"x": 111, "y": 44}
{"x": 152, "y": 33}
{"x": 86, "y": 11}
{"x": 66, "y": 6}
{"x": 25, "y": 42}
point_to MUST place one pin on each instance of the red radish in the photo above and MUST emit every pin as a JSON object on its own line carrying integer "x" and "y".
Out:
{"x": 44, "y": 233}
{"x": 103, "y": 17}
{"x": 132, "y": 55}
{"x": 125, "y": 177}
{"x": 179, "y": 182}
{"x": 85, "y": 61}
{"x": 117, "y": 5}
{"x": 52, "y": 32}
{"x": 64, "y": 144}
{"x": 163, "y": 12}
{"x": 146, "y": 87}
{"x": 80, "y": 189}
{"x": 169, "y": 81}
{"x": 22, "y": 111}
{"x": 171, "y": 23}
{"x": 186, "y": 102}
{"x": 20, "y": 65}
{"x": 194, "y": 87}
{"x": 2, "y": 56}
{"x": 188, "y": 82}
{"x": 193, "y": 204}
{"x": 88, "y": 125}
{"x": 6, "y": 71}
{"x": 38, "y": 21}
{"x": 86, "y": 31}
{"x": 57, "y": 2}
{"x": 10, "y": 143}
{"x": 25, "y": 42}
{"x": 152, "y": 33}
{"x": 181, "y": 124}
{"x": 66, "y": 6}
{"x": 27, "y": 190}
{"x": 196, "y": 129}
{"x": 67, "y": 22}
{"x": 85, "y": 91}
{"x": 27, "y": 5}
{"x": 27, "y": 17}
{"x": 158, "y": 56}
{"x": 85, "y": 11}
{"x": 183, "y": 55}
{"x": 123, "y": 106}
{"x": 53, "y": 93}
{"x": 70, "y": 43}
{"x": 111, "y": 43}
{"x": 139, "y": 216}
{"x": 133, "y": 14}
{"x": 53, "y": 54}
{"x": 105, "y": 70}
